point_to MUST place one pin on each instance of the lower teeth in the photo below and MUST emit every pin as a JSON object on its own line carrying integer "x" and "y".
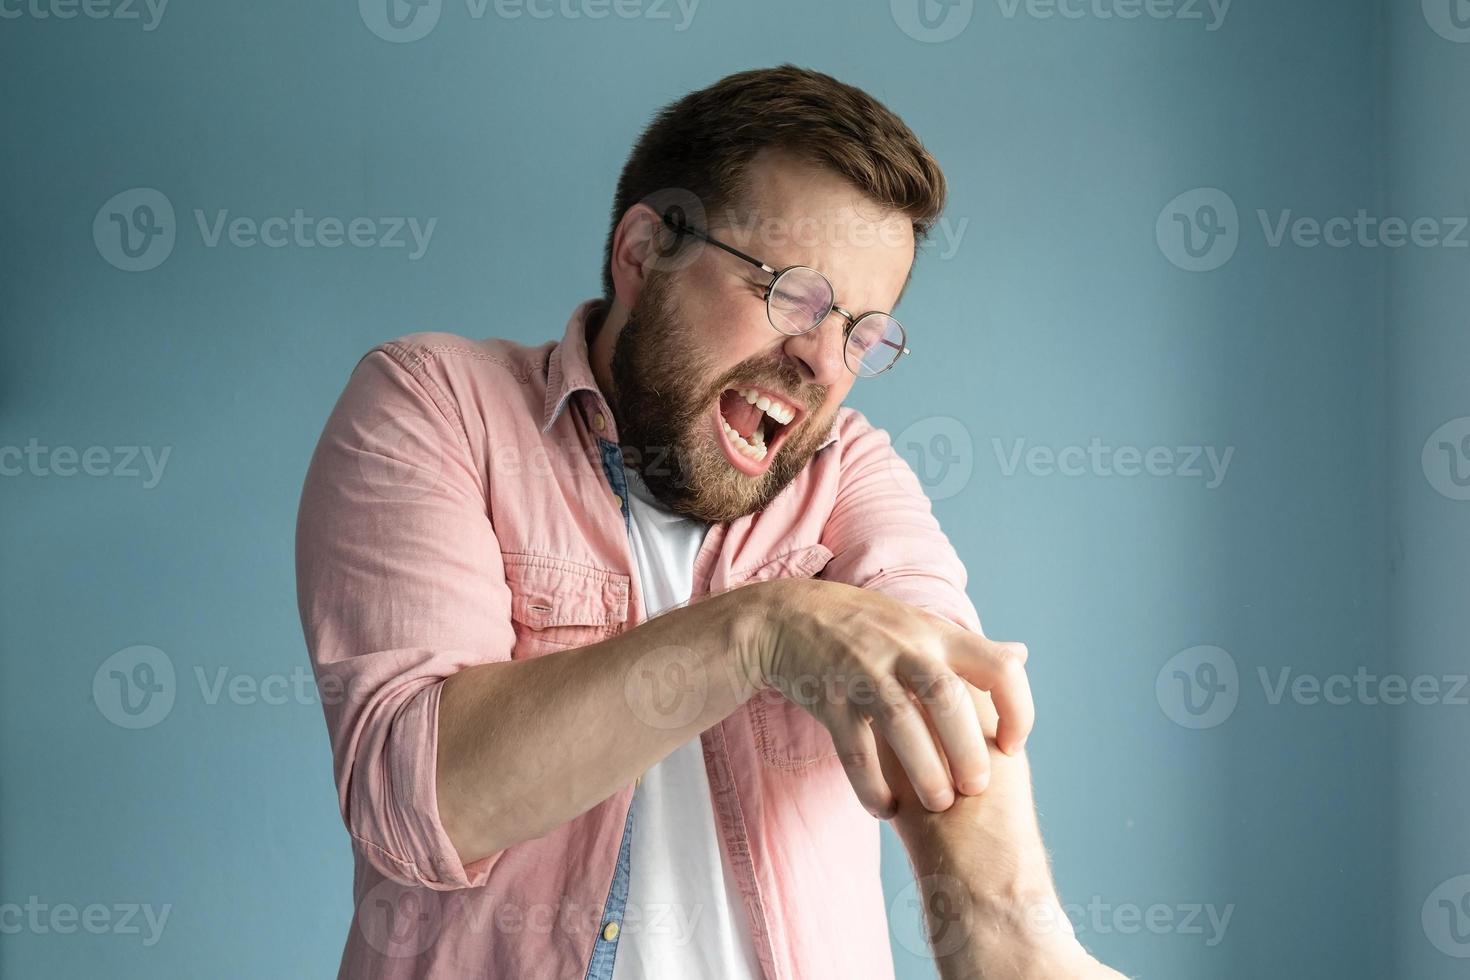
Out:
{"x": 757, "y": 448}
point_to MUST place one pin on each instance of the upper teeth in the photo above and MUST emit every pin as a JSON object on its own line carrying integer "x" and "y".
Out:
{"x": 780, "y": 412}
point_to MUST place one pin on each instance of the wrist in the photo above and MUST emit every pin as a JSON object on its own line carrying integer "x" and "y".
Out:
{"x": 750, "y": 620}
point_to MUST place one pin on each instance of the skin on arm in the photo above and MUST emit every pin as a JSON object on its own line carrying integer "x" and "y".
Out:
{"x": 515, "y": 758}
{"x": 991, "y": 908}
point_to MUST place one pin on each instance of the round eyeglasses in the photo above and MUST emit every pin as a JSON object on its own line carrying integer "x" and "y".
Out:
{"x": 799, "y": 298}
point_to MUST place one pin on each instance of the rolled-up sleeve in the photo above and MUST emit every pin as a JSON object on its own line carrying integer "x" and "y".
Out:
{"x": 882, "y": 531}
{"x": 400, "y": 584}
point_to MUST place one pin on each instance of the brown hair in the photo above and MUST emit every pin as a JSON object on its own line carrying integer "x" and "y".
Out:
{"x": 702, "y": 143}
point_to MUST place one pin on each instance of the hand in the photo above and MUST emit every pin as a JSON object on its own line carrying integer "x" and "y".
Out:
{"x": 869, "y": 666}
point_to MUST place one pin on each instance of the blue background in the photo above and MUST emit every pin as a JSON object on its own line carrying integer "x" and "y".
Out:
{"x": 1059, "y": 319}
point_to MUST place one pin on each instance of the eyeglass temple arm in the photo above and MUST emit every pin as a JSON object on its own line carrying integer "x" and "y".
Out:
{"x": 681, "y": 228}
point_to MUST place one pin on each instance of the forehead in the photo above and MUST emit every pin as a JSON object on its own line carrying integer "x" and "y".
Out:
{"x": 799, "y": 213}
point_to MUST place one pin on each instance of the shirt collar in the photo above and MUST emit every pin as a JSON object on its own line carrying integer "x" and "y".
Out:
{"x": 569, "y": 370}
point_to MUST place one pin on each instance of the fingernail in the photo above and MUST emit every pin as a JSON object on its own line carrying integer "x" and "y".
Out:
{"x": 977, "y": 786}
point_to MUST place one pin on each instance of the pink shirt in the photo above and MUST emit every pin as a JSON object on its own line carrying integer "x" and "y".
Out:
{"x": 464, "y": 506}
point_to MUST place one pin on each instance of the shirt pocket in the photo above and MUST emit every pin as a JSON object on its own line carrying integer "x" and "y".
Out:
{"x": 787, "y": 737}
{"x": 558, "y": 604}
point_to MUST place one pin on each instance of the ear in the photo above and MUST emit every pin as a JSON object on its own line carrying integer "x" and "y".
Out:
{"x": 641, "y": 244}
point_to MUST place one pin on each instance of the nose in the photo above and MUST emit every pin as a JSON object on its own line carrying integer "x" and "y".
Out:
{"x": 818, "y": 352}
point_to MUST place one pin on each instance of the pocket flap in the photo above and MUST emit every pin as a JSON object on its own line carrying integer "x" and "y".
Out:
{"x": 797, "y": 563}
{"x": 547, "y": 592}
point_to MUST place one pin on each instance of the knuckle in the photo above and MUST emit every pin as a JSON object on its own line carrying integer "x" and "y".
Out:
{"x": 893, "y": 711}
{"x": 1009, "y": 667}
{"x": 946, "y": 691}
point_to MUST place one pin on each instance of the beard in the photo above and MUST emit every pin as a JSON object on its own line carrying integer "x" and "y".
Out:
{"x": 665, "y": 388}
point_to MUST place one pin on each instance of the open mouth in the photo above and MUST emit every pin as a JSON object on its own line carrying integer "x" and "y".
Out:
{"x": 751, "y": 424}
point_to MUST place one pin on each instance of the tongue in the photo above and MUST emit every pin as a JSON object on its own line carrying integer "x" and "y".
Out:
{"x": 744, "y": 416}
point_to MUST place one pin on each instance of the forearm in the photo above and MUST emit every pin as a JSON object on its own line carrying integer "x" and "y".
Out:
{"x": 993, "y": 910}
{"x": 527, "y": 745}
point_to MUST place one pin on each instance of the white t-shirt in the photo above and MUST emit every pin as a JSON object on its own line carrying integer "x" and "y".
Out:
{"x": 685, "y": 920}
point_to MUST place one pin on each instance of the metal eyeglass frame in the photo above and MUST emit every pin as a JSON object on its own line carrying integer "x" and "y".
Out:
{"x": 681, "y": 227}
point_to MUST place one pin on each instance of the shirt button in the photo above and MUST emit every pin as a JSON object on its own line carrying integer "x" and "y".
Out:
{"x": 619, "y": 498}
{"x": 599, "y": 422}
{"x": 610, "y": 931}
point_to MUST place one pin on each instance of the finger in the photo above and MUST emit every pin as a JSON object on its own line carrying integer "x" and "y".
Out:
{"x": 900, "y": 721}
{"x": 998, "y": 667}
{"x": 953, "y": 723}
{"x": 858, "y": 751}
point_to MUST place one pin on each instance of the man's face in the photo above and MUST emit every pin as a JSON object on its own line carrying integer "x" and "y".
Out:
{"x": 697, "y": 339}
